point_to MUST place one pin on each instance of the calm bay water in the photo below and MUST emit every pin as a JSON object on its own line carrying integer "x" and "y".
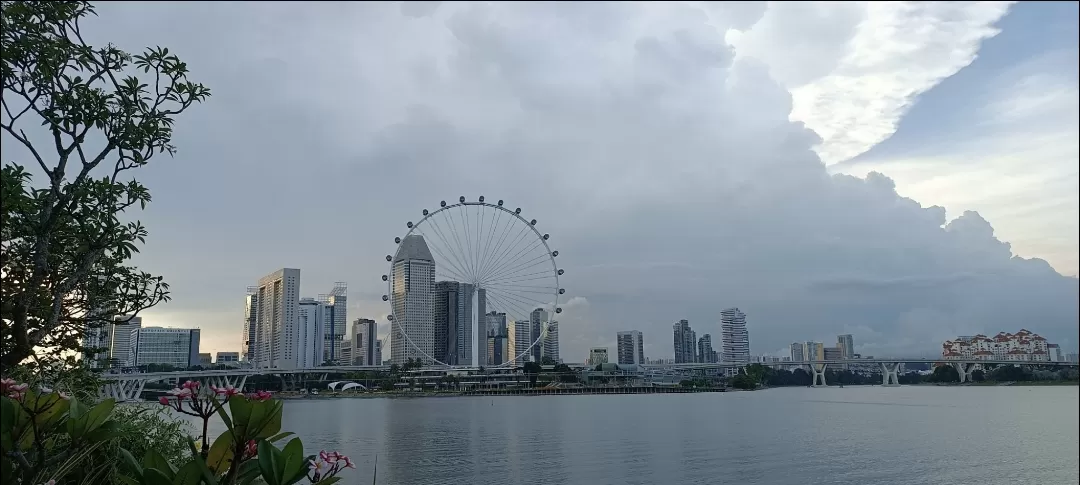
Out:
{"x": 855, "y": 435}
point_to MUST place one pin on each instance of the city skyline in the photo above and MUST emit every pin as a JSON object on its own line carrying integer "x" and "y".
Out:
{"x": 898, "y": 223}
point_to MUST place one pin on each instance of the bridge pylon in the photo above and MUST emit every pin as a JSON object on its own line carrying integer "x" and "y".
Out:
{"x": 964, "y": 370}
{"x": 818, "y": 375}
{"x": 890, "y": 374}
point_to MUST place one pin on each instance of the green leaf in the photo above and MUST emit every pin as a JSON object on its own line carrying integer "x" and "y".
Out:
{"x": 188, "y": 474}
{"x": 153, "y": 460}
{"x": 330, "y": 481}
{"x": 131, "y": 463}
{"x": 220, "y": 457}
{"x": 153, "y": 476}
{"x": 280, "y": 436}
{"x": 268, "y": 463}
{"x": 295, "y": 466}
{"x": 97, "y": 415}
{"x": 207, "y": 476}
{"x": 271, "y": 423}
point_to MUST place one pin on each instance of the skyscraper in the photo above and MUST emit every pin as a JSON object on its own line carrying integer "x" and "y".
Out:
{"x": 335, "y": 319}
{"x": 684, "y": 340}
{"x": 480, "y": 334}
{"x": 847, "y": 346}
{"x": 412, "y": 296}
{"x": 178, "y": 347}
{"x": 813, "y": 351}
{"x": 519, "y": 338}
{"x": 364, "y": 336}
{"x": 797, "y": 354}
{"x": 630, "y": 348}
{"x": 310, "y": 347}
{"x": 453, "y": 322}
{"x": 551, "y": 343}
{"x": 251, "y": 329}
{"x": 278, "y": 297}
{"x": 538, "y": 318}
{"x": 120, "y": 340}
{"x": 496, "y": 330}
{"x": 706, "y": 354}
{"x": 735, "y": 339}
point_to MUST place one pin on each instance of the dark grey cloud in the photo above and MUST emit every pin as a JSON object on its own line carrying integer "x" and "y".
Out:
{"x": 665, "y": 168}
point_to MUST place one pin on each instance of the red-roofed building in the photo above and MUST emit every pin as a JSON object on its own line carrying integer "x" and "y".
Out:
{"x": 1023, "y": 346}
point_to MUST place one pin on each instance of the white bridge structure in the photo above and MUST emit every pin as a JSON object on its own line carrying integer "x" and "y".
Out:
{"x": 128, "y": 387}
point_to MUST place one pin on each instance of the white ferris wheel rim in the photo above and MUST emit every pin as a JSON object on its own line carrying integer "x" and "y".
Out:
{"x": 516, "y": 213}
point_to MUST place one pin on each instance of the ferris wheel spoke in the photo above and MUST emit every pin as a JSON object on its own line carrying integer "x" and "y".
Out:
{"x": 468, "y": 238}
{"x": 467, "y": 249}
{"x": 519, "y": 311}
{"x": 538, "y": 278}
{"x": 438, "y": 251}
{"x": 509, "y": 248}
{"x": 446, "y": 245}
{"x": 516, "y": 274}
{"x": 458, "y": 240}
{"x": 524, "y": 300}
{"x": 479, "y": 233}
{"x": 502, "y": 238}
{"x": 516, "y": 270}
{"x": 496, "y": 217}
{"x": 515, "y": 259}
{"x": 547, "y": 290}
{"x": 537, "y": 273}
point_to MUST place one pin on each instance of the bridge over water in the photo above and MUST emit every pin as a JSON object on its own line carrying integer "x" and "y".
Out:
{"x": 129, "y": 386}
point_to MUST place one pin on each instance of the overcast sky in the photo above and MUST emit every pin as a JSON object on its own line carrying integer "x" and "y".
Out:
{"x": 904, "y": 173}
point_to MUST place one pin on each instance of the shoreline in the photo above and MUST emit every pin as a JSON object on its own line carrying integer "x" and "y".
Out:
{"x": 512, "y": 392}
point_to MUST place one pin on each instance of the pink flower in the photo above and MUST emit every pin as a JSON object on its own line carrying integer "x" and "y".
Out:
{"x": 348, "y": 462}
{"x": 191, "y": 385}
{"x": 16, "y": 391}
{"x": 250, "y": 449}
{"x": 226, "y": 391}
{"x": 259, "y": 396}
{"x": 5, "y": 383}
{"x": 163, "y": 400}
{"x": 316, "y": 466}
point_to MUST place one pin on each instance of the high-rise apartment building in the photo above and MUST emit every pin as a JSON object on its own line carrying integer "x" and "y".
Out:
{"x": 538, "y": 318}
{"x": 797, "y": 354}
{"x": 832, "y": 353}
{"x": 685, "y": 341}
{"x": 705, "y": 352}
{"x": 251, "y": 329}
{"x": 480, "y": 333}
{"x": 227, "y": 358}
{"x": 497, "y": 333}
{"x": 310, "y": 343}
{"x": 278, "y": 297}
{"x": 412, "y": 296}
{"x": 519, "y": 338}
{"x": 630, "y": 348}
{"x": 846, "y": 344}
{"x": 378, "y": 352}
{"x": 119, "y": 340}
{"x": 364, "y": 335}
{"x": 735, "y": 339}
{"x": 178, "y": 347}
{"x": 335, "y": 319}
{"x": 551, "y": 343}
{"x": 454, "y": 322}
{"x": 598, "y": 356}
{"x": 814, "y": 351}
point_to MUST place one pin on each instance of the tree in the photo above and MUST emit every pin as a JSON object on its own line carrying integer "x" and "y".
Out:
{"x": 532, "y": 370}
{"x": 66, "y": 243}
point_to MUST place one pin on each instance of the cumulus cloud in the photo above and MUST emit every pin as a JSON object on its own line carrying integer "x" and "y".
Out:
{"x": 662, "y": 160}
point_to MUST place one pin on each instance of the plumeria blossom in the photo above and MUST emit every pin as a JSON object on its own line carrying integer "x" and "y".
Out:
{"x": 250, "y": 449}
{"x": 328, "y": 464}
{"x": 226, "y": 391}
{"x": 11, "y": 389}
{"x": 259, "y": 396}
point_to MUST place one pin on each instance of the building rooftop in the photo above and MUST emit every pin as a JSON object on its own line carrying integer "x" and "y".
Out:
{"x": 413, "y": 247}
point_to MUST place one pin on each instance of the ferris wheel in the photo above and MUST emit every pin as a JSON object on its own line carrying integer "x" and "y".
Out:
{"x": 472, "y": 284}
